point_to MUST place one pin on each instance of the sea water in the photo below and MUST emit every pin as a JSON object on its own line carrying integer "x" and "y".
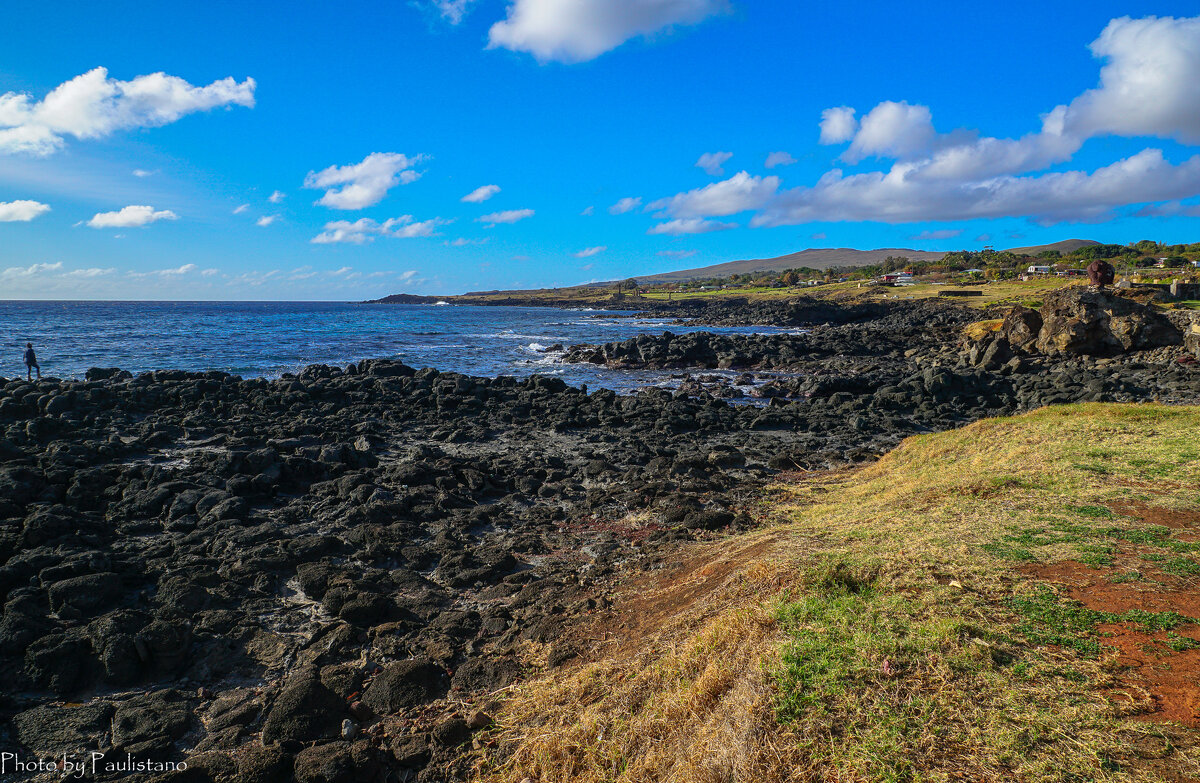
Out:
{"x": 268, "y": 339}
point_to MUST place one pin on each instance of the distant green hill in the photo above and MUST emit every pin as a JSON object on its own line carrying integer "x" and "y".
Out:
{"x": 824, "y": 258}
{"x": 1064, "y": 247}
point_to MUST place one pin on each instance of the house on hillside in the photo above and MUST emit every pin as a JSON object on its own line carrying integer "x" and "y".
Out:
{"x": 1039, "y": 270}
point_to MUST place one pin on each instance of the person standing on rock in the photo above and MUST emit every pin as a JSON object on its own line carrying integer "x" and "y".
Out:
{"x": 1101, "y": 273}
{"x": 31, "y": 362}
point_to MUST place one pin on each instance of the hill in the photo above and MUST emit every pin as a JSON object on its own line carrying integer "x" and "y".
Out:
{"x": 816, "y": 258}
{"x": 1064, "y": 247}
{"x": 825, "y": 258}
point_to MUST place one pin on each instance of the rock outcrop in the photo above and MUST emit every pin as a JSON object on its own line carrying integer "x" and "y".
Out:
{"x": 1085, "y": 321}
{"x": 1076, "y": 321}
{"x": 1191, "y": 335}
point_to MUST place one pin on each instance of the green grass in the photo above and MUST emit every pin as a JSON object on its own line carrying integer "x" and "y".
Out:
{"x": 1094, "y": 545}
{"x": 1181, "y": 566}
{"x": 1092, "y": 512}
{"x": 877, "y": 629}
{"x": 1181, "y": 643}
{"x": 1047, "y": 619}
{"x": 858, "y": 663}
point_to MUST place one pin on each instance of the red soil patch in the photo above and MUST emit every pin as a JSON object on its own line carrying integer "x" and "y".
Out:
{"x": 1091, "y": 587}
{"x": 1166, "y": 682}
{"x": 1153, "y": 515}
{"x": 1171, "y": 678}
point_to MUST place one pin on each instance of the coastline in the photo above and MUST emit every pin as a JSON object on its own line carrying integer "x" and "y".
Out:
{"x": 239, "y": 567}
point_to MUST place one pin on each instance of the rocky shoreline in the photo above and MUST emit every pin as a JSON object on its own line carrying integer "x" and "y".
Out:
{"x": 329, "y": 576}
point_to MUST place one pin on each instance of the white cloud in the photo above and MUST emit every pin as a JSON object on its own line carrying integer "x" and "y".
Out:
{"x": 682, "y": 226}
{"x": 893, "y": 129}
{"x": 176, "y": 271}
{"x": 30, "y": 271}
{"x": 779, "y": 159}
{"x": 358, "y": 232}
{"x": 481, "y": 194}
{"x": 588, "y": 211}
{"x": 365, "y": 230}
{"x": 627, "y": 204}
{"x": 1150, "y": 86}
{"x": 591, "y": 251}
{"x": 577, "y": 30}
{"x": 143, "y": 173}
{"x": 91, "y": 272}
{"x": 21, "y": 211}
{"x": 679, "y": 254}
{"x": 240, "y": 209}
{"x": 1169, "y": 209}
{"x": 942, "y": 233}
{"x": 453, "y": 11}
{"x": 276, "y": 196}
{"x": 253, "y": 279}
{"x": 507, "y": 216}
{"x": 92, "y": 106}
{"x": 404, "y": 228}
{"x": 892, "y": 197}
{"x": 464, "y": 242}
{"x": 728, "y": 197}
{"x": 838, "y": 125}
{"x": 131, "y": 216}
{"x": 266, "y": 220}
{"x": 363, "y": 184}
{"x": 711, "y": 162}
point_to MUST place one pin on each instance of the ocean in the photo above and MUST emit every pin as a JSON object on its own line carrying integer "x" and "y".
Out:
{"x": 267, "y": 339}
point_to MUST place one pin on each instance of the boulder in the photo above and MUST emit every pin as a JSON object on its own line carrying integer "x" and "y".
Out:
{"x": 1022, "y": 327}
{"x": 405, "y": 684}
{"x": 84, "y": 594}
{"x": 304, "y": 711}
{"x": 148, "y": 724}
{"x": 1082, "y": 320}
{"x": 54, "y": 730}
{"x": 1191, "y": 335}
{"x": 338, "y": 762}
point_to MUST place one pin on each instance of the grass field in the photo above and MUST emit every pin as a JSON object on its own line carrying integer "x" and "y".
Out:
{"x": 1000, "y": 292}
{"x": 1024, "y": 292}
{"x": 1014, "y": 600}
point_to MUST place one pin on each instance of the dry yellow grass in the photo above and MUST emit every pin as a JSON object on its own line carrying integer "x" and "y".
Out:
{"x": 701, "y": 674}
{"x": 978, "y": 329}
{"x": 681, "y": 698}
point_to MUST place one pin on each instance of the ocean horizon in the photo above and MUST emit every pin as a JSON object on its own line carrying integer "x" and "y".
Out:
{"x": 271, "y": 338}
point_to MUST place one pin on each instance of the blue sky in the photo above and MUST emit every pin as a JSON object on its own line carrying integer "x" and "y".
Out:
{"x": 230, "y": 151}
